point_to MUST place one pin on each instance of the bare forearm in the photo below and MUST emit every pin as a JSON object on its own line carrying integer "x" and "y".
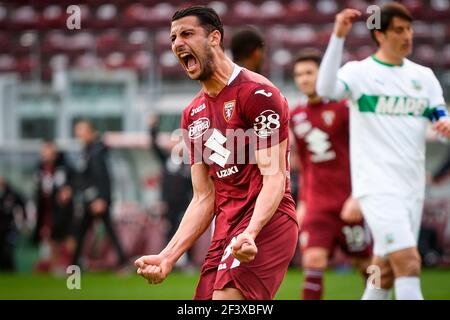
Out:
{"x": 267, "y": 202}
{"x": 196, "y": 220}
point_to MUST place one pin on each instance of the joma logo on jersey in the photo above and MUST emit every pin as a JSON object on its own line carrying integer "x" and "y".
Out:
{"x": 198, "y": 109}
{"x": 401, "y": 105}
{"x": 227, "y": 172}
{"x": 228, "y": 108}
{"x": 198, "y": 128}
{"x": 264, "y": 93}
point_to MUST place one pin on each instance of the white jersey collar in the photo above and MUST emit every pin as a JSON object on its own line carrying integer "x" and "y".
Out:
{"x": 235, "y": 73}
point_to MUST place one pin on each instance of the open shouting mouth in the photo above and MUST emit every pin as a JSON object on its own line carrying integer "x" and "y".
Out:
{"x": 190, "y": 62}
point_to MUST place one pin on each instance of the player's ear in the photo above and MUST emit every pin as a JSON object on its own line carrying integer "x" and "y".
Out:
{"x": 215, "y": 38}
{"x": 379, "y": 36}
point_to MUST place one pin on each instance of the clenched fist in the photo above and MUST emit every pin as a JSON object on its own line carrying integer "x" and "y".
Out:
{"x": 153, "y": 268}
{"x": 244, "y": 248}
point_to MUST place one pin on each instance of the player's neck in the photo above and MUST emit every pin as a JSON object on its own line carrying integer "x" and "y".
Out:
{"x": 314, "y": 99}
{"x": 248, "y": 64}
{"x": 387, "y": 58}
{"x": 219, "y": 79}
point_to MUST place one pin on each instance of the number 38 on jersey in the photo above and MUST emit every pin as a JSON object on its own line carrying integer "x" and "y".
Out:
{"x": 266, "y": 123}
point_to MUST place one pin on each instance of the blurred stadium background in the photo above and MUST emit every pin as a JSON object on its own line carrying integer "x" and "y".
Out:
{"x": 118, "y": 69}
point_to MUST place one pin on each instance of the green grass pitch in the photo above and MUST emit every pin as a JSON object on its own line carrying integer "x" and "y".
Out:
{"x": 338, "y": 285}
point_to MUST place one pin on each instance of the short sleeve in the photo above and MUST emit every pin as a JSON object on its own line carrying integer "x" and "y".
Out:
{"x": 267, "y": 113}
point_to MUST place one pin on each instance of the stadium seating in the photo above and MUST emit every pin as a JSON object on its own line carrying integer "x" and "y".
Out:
{"x": 134, "y": 34}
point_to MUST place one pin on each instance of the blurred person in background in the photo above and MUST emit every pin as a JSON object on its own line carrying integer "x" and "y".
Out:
{"x": 247, "y": 49}
{"x": 11, "y": 205}
{"x": 95, "y": 185}
{"x": 430, "y": 248}
{"x": 443, "y": 171}
{"x": 392, "y": 101}
{"x": 327, "y": 213}
{"x": 55, "y": 208}
{"x": 176, "y": 186}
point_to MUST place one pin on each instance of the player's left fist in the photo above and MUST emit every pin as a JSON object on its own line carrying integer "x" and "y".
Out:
{"x": 442, "y": 126}
{"x": 244, "y": 248}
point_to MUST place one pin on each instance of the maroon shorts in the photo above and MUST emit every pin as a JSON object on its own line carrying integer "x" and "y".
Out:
{"x": 205, "y": 286}
{"x": 327, "y": 230}
{"x": 260, "y": 278}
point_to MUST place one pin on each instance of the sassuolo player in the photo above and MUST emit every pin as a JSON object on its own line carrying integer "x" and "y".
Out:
{"x": 328, "y": 215}
{"x": 392, "y": 99}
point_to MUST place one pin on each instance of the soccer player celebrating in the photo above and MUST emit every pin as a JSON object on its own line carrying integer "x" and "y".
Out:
{"x": 391, "y": 100}
{"x": 236, "y": 129}
{"x": 328, "y": 215}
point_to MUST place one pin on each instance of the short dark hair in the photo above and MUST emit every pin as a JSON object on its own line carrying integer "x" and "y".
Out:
{"x": 208, "y": 18}
{"x": 313, "y": 55}
{"x": 244, "y": 42}
{"x": 387, "y": 13}
{"x": 48, "y": 141}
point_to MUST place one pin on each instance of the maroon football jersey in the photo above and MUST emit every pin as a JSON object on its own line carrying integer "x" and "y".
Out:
{"x": 321, "y": 133}
{"x": 224, "y": 131}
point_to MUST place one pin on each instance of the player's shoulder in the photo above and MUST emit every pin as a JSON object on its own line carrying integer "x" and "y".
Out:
{"x": 298, "y": 108}
{"x": 356, "y": 65}
{"x": 250, "y": 78}
{"x": 411, "y": 64}
{"x": 298, "y": 113}
{"x": 354, "y": 69}
{"x": 250, "y": 82}
{"x": 426, "y": 71}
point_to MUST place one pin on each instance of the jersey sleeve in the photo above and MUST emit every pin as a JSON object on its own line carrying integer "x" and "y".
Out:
{"x": 328, "y": 85}
{"x": 438, "y": 108}
{"x": 435, "y": 92}
{"x": 266, "y": 113}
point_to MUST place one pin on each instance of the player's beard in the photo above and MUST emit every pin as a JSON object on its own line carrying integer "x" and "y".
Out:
{"x": 207, "y": 65}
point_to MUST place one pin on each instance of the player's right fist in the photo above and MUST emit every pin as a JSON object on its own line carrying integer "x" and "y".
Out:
{"x": 344, "y": 21}
{"x": 153, "y": 268}
{"x": 244, "y": 248}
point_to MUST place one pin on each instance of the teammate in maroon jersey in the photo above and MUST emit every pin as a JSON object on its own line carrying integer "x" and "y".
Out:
{"x": 236, "y": 129}
{"x": 328, "y": 216}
